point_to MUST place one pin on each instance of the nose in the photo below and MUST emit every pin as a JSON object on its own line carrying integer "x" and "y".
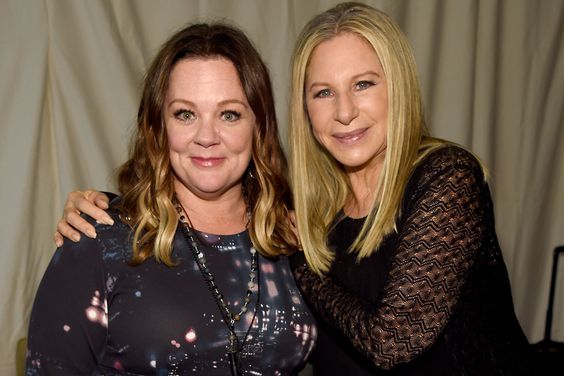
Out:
{"x": 207, "y": 134}
{"x": 346, "y": 110}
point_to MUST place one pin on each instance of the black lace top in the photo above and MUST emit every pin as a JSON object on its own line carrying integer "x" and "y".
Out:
{"x": 434, "y": 299}
{"x": 96, "y": 315}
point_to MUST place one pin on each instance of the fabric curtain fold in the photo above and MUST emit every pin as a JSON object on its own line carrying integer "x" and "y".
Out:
{"x": 492, "y": 73}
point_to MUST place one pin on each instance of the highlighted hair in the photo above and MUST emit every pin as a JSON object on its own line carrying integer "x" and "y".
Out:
{"x": 146, "y": 179}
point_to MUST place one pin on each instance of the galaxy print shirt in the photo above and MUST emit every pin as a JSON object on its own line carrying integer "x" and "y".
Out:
{"x": 96, "y": 315}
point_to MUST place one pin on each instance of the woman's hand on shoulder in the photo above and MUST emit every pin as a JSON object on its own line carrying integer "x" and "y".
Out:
{"x": 89, "y": 202}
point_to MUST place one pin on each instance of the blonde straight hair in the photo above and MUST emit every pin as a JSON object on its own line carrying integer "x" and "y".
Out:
{"x": 320, "y": 184}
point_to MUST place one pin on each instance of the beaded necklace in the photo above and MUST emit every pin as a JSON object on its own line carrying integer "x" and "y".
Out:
{"x": 235, "y": 346}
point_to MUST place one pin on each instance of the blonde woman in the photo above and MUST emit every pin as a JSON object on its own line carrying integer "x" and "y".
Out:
{"x": 403, "y": 265}
{"x": 192, "y": 277}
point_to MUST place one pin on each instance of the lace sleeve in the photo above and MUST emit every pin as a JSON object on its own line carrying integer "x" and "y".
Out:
{"x": 437, "y": 246}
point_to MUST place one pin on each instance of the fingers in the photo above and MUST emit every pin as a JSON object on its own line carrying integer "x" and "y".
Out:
{"x": 64, "y": 229}
{"x": 98, "y": 198}
{"x": 90, "y": 203}
{"x": 58, "y": 238}
{"x": 74, "y": 220}
{"x": 87, "y": 207}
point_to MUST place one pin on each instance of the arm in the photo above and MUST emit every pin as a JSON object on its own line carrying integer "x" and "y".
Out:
{"x": 68, "y": 326}
{"x": 438, "y": 243}
{"x": 91, "y": 203}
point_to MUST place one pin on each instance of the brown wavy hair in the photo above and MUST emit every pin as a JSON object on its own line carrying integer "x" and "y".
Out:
{"x": 146, "y": 179}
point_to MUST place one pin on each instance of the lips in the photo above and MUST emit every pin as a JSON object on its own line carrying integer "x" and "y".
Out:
{"x": 207, "y": 162}
{"x": 350, "y": 137}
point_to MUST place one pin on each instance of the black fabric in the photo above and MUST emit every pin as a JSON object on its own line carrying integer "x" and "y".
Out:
{"x": 96, "y": 314}
{"x": 434, "y": 299}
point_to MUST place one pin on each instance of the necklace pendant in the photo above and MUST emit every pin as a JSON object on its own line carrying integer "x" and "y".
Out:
{"x": 233, "y": 355}
{"x": 233, "y": 347}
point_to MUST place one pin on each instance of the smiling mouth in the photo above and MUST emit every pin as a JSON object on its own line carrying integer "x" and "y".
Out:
{"x": 207, "y": 162}
{"x": 350, "y": 137}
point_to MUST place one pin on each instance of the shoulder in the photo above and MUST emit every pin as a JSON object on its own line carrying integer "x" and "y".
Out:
{"x": 280, "y": 265}
{"x": 450, "y": 156}
{"x": 448, "y": 169}
{"x": 119, "y": 226}
{"x": 448, "y": 160}
{"x": 111, "y": 243}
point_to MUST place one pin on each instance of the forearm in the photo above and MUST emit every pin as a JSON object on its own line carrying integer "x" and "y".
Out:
{"x": 437, "y": 246}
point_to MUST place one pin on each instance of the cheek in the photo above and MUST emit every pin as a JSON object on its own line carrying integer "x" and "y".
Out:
{"x": 317, "y": 134}
{"x": 239, "y": 143}
{"x": 316, "y": 119}
{"x": 173, "y": 145}
{"x": 248, "y": 147}
{"x": 376, "y": 106}
{"x": 176, "y": 140}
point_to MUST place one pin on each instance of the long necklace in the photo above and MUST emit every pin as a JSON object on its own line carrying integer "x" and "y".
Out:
{"x": 235, "y": 346}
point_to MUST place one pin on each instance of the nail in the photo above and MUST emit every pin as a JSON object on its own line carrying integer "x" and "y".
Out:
{"x": 105, "y": 221}
{"x": 91, "y": 234}
{"x": 75, "y": 238}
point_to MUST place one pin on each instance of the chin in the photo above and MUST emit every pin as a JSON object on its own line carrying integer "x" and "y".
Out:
{"x": 352, "y": 161}
{"x": 210, "y": 189}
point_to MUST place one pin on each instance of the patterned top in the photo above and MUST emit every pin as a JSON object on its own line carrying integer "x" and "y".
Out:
{"x": 434, "y": 299}
{"x": 94, "y": 314}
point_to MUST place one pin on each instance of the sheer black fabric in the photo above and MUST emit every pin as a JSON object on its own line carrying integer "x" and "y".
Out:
{"x": 96, "y": 315}
{"x": 434, "y": 299}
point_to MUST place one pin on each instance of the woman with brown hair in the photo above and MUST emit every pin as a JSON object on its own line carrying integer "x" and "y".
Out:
{"x": 193, "y": 275}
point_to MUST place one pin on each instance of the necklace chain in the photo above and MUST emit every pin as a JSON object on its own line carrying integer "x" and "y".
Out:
{"x": 234, "y": 347}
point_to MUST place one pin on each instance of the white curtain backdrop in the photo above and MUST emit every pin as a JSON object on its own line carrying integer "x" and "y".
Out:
{"x": 70, "y": 75}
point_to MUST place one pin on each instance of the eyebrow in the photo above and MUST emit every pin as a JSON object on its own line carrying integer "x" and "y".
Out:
{"x": 183, "y": 101}
{"x": 236, "y": 101}
{"x": 354, "y": 78}
{"x": 222, "y": 103}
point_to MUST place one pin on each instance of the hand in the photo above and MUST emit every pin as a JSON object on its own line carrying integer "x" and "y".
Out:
{"x": 88, "y": 202}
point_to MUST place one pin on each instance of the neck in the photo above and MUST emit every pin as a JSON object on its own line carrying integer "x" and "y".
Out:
{"x": 364, "y": 181}
{"x": 222, "y": 215}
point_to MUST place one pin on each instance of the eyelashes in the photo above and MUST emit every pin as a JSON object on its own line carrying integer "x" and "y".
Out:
{"x": 365, "y": 84}
{"x": 188, "y": 116}
{"x": 322, "y": 93}
{"x": 230, "y": 115}
{"x": 358, "y": 86}
{"x": 184, "y": 115}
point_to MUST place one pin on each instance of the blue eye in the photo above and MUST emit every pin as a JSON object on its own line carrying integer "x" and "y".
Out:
{"x": 363, "y": 85}
{"x": 230, "y": 116}
{"x": 185, "y": 115}
{"x": 323, "y": 93}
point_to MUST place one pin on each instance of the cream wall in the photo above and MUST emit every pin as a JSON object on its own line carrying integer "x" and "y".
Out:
{"x": 70, "y": 70}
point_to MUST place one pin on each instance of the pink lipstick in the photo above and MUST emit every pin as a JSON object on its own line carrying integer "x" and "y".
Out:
{"x": 207, "y": 162}
{"x": 350, "y": 137}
